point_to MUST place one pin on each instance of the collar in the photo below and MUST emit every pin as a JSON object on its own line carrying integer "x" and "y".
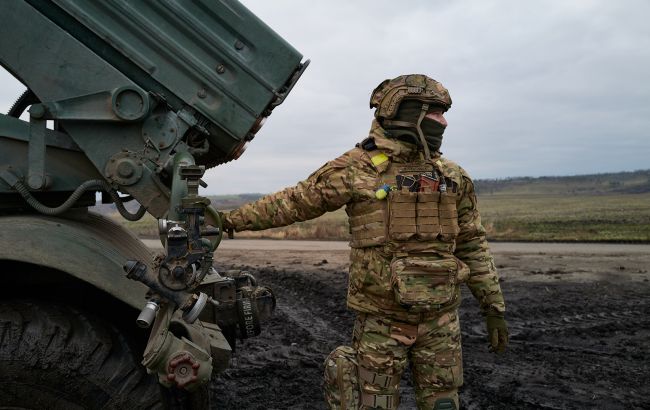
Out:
{"x": 397, "y": 150}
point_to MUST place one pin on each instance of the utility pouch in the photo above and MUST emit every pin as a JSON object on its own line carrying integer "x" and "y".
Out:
{"x": 427, "y": 215}
{"x": 341, "y": 384}
{"x": 425, "y": 283}
{"x": 448, "y": 213}
{"x": 402, "y": 214}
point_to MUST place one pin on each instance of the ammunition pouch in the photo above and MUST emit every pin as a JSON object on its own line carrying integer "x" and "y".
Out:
{"x": 422, "y": 216}
{"x": 406, "y": 218}
{"x": 341, "y": 385}
{"x": 426, "y": 283}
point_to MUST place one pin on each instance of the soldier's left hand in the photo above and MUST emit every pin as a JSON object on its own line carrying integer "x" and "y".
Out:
{"x": 497, "y": 330}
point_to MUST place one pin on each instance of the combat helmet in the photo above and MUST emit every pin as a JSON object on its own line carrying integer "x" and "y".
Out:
{"x": 416, "y": 88}
{"x": 388, "y": 95}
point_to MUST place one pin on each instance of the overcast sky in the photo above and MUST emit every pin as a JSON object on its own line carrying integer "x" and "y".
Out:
{"x": 539, "y": 87}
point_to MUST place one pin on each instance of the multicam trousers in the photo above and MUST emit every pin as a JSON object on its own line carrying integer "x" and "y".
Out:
{"x": 385, "y": 347}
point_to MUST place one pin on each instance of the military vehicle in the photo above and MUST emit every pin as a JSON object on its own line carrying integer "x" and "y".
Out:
{"x": 132, "y": 100}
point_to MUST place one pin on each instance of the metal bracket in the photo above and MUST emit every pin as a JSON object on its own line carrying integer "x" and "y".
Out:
{"x": 123, "y": 104}
{"x": 36, "y": 178}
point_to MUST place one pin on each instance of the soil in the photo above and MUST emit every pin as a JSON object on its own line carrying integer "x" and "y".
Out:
{"x": 579, "y": 318}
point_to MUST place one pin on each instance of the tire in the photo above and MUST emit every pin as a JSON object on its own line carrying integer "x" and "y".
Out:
{"x": 55, "y": 357}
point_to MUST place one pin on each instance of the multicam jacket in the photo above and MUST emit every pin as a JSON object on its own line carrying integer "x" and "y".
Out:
{"x": 410, "y": 251}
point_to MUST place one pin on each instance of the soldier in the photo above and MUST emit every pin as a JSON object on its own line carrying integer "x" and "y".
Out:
{"x": 416, "y": 235}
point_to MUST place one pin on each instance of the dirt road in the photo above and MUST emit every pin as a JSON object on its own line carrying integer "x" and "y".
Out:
{"x": 579, "y": 317}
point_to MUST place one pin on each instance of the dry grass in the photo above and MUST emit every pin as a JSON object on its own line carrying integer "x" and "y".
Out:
{"x": 624, "y": 217}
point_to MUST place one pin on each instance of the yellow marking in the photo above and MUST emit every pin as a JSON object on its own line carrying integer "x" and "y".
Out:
{"x": 379, "y": 159}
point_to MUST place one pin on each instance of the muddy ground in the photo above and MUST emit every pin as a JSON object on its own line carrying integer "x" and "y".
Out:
{"x": 579, "y": 319}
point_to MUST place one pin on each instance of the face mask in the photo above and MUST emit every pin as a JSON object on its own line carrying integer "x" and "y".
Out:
{"x": 403, "y": 126}
{"x": 432, "y": 131}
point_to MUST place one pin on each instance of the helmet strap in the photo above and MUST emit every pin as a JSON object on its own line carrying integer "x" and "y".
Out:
{"x": 401, "y": 124}
{"x": 425, "y": 146}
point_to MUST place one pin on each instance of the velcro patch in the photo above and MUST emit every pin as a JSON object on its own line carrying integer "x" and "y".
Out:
{"x": 379, "y": 159}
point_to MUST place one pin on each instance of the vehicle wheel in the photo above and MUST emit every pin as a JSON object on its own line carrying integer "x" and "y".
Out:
{"x": 55, "y": 357}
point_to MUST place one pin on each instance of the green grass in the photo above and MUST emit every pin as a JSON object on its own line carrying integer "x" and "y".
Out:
{"x": 620, "y": 217}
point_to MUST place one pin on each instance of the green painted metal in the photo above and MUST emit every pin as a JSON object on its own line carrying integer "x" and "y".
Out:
{"x": 88, "y": 247}
{"x": 135, "y": 83}
{"x": 67, "y": 166}
{"x": 136, "y": 91}
{"x": 179, "y": 187}
{"x": 214, "y": 55}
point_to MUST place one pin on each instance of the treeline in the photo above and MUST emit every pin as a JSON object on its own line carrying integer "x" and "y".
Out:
{"x": 634, "y": 182}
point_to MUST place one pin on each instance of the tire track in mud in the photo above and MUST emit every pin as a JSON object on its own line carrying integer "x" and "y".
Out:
{"x": 569, "y": 349}
{"x": 310, "y": 320}
{"x": 573, "y": 346}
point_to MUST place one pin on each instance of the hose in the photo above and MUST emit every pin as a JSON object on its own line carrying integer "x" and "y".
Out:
{"x": 72, "y": 199}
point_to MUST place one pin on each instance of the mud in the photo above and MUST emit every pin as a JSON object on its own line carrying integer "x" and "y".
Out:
{"x": 579, "y": 323}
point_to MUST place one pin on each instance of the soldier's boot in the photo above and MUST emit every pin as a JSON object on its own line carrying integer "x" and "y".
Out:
{"x": 437, "y": 400}
{"x": 341, "y": 386}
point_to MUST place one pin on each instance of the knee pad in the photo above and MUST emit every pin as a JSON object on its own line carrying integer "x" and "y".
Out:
{"x": 341, "y": 384}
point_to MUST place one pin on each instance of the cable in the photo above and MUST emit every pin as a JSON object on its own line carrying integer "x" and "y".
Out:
{"x": 72, "y": 199}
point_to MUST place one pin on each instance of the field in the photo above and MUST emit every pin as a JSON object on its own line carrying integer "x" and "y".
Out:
{"x": 582, "y": 218}
{"x": 588, "y": 208}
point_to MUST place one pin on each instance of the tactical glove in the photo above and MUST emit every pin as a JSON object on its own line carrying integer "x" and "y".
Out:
{"x": 224, "y": 221}
{"x": 227, "y": 226}
{"x": 497, "y": 330}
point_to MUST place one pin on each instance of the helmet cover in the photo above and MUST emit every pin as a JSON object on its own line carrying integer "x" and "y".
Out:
{"x": 388, "y": 95}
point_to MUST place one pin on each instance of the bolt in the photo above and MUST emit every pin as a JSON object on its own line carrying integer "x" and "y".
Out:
{"x": 202, "y": 93}
{"x": 221, "y": 69}
{"x": 239, "y": 45}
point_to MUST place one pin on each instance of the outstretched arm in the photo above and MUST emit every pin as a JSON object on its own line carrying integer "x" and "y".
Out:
{"x": 325, "y": 190}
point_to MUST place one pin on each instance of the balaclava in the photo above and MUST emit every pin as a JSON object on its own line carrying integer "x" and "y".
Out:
{"x": 404, "y": 125}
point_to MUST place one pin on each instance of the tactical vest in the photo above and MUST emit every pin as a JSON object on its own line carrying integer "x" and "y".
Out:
{"x": 406, "y": 219}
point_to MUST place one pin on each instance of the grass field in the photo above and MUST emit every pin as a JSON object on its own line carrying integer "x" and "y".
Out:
{"x": 521, "y": 217}
{"x": 624, "y": 217}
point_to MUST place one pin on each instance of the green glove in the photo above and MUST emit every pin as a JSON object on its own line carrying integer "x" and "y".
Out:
{"x": 497, "y": 330}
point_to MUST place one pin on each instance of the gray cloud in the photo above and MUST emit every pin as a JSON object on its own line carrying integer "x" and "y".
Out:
{"x": 539, "y": 87}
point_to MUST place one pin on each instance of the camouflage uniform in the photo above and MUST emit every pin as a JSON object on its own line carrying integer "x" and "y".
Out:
{"x": 410, "y": 252}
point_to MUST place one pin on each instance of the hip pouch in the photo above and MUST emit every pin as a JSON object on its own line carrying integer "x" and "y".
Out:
{"x": 426, "y": 283}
